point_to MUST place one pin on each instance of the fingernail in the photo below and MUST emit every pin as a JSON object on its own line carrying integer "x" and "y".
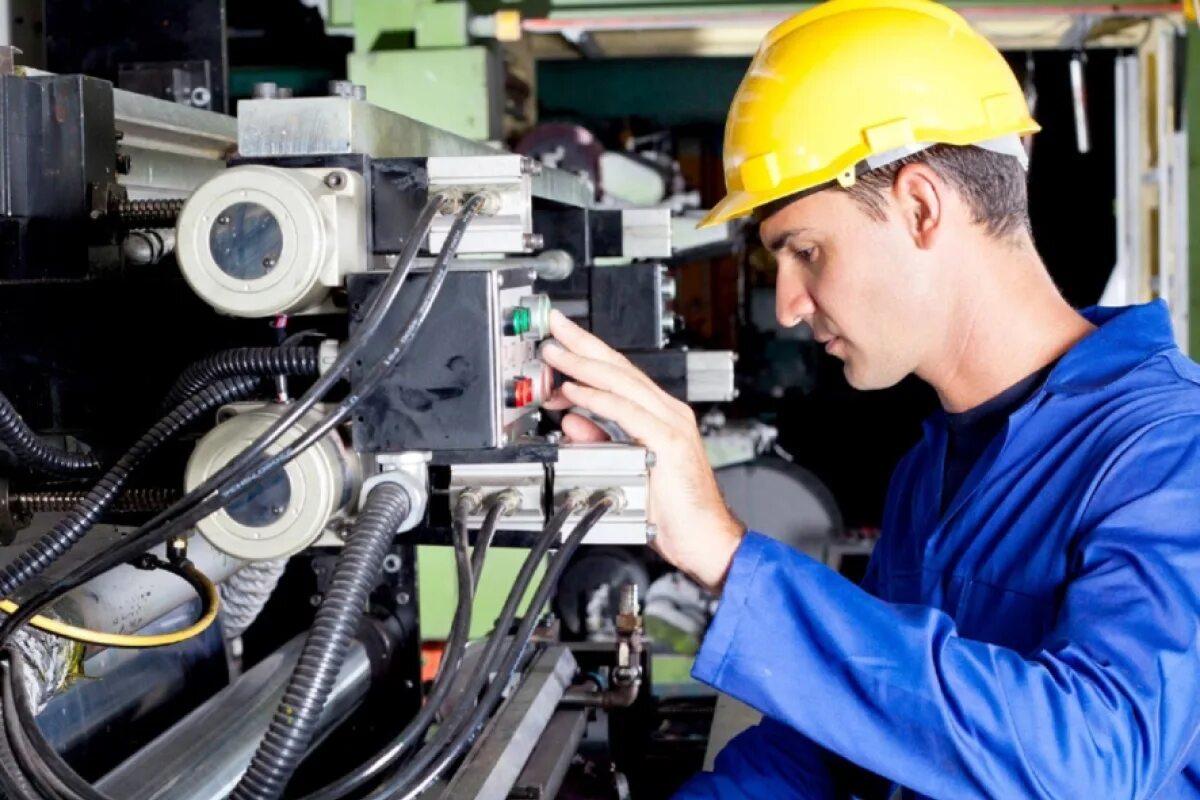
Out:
{"x": 550, "y": 347}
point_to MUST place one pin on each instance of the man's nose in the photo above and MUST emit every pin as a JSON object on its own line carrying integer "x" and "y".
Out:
{"x": 793, "y": 303}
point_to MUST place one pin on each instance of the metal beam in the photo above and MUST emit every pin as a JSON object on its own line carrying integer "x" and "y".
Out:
{"x": 491, "y": 769}
{"x": 206, "y": 752}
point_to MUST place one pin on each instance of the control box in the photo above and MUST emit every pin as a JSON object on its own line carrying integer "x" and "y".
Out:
{"x": 471, "y": 379}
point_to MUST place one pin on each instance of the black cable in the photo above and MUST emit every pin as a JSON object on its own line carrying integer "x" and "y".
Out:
{"x": 487, "y": 532}
{"x": 166, "y": 524}
{"x": 38, "y": 756}
{"x": 41, "y": 759}
{"x": 35, "y": 453}
{"x": 355, "y": 574}
{"x": 181, "y": 514}
{"x": 300, "y": 362}
{"x": 456, "y": 643}
{"x": 457, "y": 730}
{"x": 67, "y": 532}
{"x": 383, "y": 364}
{"x": 14, "y": 783}
{"x": 45, "y": 784}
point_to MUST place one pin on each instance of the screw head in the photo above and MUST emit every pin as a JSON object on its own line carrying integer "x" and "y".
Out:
{"x": 315, "y": 600}
{"x": 335, "y": 180}
{"x": 403, "y": 598}
{"x": 268, "y": 262}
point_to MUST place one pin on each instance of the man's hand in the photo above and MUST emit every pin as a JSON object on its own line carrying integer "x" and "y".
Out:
{"x": 696, "y": 531}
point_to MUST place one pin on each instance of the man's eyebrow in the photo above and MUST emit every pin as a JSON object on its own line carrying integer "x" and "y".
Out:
{"x": 777, "y": 242}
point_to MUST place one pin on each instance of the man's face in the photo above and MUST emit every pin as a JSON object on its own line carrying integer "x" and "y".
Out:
{"x": 863, "y": 285}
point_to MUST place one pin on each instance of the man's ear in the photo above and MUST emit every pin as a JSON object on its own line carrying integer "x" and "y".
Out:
{"x": 920, "y": 195}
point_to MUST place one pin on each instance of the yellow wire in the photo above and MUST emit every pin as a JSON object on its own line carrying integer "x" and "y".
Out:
{"x": 105, "y": 639}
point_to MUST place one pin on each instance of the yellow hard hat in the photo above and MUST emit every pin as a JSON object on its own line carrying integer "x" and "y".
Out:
{"x": 852, "y": 80}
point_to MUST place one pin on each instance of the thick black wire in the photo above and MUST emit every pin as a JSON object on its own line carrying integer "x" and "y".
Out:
{"x": 487, "y": 532}
{"x": 41, "y": 758}
{"x": 298, "y": 714}
{"x": 45, "y": 785}
{"x": 74, "y": 525}
{"x": 183, "y": 513}
{"x": 264, "y": 361}
{"x": 457, "y": 731}
{"x": 383, "y": 365}
{"x": 162, "y": 527}
{"x": 468, "y": 567}
{"x": 35, "y": 453}
{"x": 14, "y": 783}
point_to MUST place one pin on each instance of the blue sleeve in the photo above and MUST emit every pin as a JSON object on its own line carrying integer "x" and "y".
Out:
{"x": 1107, "y": 706}
{"x": 772, "y": 760}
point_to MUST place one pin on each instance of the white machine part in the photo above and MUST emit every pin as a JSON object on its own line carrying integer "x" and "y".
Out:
{"x": 585, "y": 470}
{"x": 505, "y": 223}
{"x": 256, "y": 241}
{"x": 282, "y": 514}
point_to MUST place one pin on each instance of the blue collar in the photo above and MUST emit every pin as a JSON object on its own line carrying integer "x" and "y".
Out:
{"x": 1124, "y": 339}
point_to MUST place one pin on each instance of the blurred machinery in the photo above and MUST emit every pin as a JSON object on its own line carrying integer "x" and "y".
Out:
{"x": 333, "y": 312}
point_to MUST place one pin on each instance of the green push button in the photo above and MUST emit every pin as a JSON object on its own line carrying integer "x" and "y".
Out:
{"x": 520, "y": 321}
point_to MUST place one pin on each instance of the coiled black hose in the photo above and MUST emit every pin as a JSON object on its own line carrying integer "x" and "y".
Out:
{"x": 71, "y": 528}
{"x": 205, "y": 498}
{"x": 456, "y": 645}
{"x": 295, "y": 723}
{"x": 32, "y": 751}
{"x": 13, "y": 782}
{"x": 300, "y": 362}
{"x": 27, "y": 446}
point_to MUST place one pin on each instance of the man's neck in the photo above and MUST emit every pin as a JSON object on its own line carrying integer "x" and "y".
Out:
{"x": 1010, "y": 323}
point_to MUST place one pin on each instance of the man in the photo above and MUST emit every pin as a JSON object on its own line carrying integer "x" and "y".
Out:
{"x": 1028, "y": 624}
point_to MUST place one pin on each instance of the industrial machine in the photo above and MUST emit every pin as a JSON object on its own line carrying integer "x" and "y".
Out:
{"x": 260, "y": 363}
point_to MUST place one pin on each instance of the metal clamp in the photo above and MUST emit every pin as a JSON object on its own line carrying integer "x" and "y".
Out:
{"x": 410, "y": 472}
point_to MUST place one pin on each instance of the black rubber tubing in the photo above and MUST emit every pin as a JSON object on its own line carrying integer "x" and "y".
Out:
{"x": 67, "y": 532}
{"x": 36, "y": 454}
{"x": 298, "y": 362}
{"x": 354, "y": 576}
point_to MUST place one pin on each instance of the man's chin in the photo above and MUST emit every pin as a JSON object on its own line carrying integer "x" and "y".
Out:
{"x": 864, "y": 380}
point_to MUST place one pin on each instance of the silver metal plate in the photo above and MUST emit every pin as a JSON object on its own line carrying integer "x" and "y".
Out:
{"x": 324, "y": 125}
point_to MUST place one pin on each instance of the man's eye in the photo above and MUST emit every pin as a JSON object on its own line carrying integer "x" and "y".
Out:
{"x": 806, "y": 255}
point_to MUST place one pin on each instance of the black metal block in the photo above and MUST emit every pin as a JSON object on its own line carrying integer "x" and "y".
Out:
{"x": 448, "y": 392}
{"x": 627, "y": 306}
{"x": 399, "y": 190}
{"x": 98, "y": 37}
{"x": 57, "y": 150}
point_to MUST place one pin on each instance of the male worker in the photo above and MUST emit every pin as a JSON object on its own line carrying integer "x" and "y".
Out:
{"x": 1028, "y": 624}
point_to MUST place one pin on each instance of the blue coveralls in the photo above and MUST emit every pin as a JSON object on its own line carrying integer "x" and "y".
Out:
{"x": 1040, "y": 639}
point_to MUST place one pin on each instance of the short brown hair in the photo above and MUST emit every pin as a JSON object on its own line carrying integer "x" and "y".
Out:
{"x": 993, "y": 185}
